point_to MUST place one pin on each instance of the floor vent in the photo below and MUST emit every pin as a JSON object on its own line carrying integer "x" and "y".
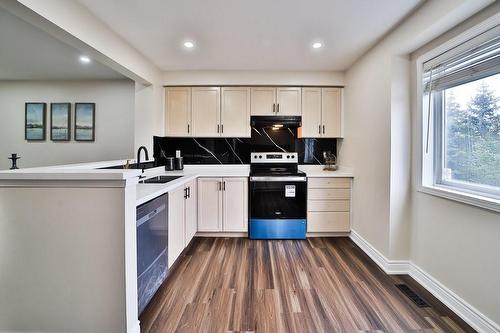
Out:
{"x": 412, "y": 295}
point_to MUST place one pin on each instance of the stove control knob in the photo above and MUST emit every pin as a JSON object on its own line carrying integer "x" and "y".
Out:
{"x": 287, "y": 156}
{"x": 293, "y": 156}
{"x": 255, "y": 156}
{"x": 260, "y": 156}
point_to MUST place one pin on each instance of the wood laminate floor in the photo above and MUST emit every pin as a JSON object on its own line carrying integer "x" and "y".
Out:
{"x": 315, "y": 285}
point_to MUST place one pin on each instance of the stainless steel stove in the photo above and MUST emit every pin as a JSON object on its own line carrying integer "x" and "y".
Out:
{"x": 278, "y": 197}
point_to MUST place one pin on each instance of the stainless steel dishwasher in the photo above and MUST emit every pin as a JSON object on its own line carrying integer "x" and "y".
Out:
{"x": 152, "y": 246}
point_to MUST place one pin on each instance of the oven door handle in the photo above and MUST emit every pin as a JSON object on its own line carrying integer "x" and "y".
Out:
{"x": 278, "y": 179}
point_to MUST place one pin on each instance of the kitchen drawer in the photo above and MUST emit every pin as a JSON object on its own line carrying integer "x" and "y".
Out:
{"x": 328, "y": 205}
{"x": 328, "y": 222}
{"x": 329, "y": 194}
{"x": 329, "y": 182}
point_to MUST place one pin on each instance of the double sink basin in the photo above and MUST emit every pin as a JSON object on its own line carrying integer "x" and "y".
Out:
{"x": 159, "y": 179}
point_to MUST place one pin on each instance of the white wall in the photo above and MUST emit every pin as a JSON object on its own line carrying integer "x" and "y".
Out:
{"x": 75, "y": 25}
{"x": 114, "y": 121}
{"x": 253, "y": 78}
{"x": 456, "y": 243}
{"x": 369, "y": 113}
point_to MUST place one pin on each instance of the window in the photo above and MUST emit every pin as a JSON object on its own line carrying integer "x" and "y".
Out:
{"x": 461, "y": 119}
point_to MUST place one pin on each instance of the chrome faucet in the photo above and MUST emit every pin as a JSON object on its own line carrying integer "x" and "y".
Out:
{"x": 139, "y": 156}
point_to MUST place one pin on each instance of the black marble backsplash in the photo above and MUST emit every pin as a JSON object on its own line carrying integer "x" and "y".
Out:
{"x": 237, "y": 150}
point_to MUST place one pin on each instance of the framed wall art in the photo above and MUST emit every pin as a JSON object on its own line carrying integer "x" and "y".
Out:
{"x": 84, "y": 121}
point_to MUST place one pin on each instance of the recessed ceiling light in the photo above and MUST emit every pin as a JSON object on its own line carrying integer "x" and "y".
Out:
{"x": 189, "y": 44}
{"x": 84, "y": 59}
{"x": 317, "y": 45}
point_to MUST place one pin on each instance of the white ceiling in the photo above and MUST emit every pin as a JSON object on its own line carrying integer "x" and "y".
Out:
{"x": 28, "y": 53}
{"x": 251, "y": 34}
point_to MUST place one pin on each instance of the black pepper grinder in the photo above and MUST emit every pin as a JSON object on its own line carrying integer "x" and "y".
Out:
{"x": 14, "y": 159}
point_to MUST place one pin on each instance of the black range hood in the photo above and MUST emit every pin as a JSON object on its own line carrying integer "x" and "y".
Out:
{"x": 286, "y": 121}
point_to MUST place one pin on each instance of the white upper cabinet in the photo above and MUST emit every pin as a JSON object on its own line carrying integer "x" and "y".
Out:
{"x": 263, "y": 101}
{"x": 311, "y": 112}
{"x": 178, "y": 111}
{"x": 225, "y": 112}
{"x": 331, "y": 113}
{"x": 235, "y": 112}
{"x": 322, "y": 113}
{"x": 206, "y": 111}
{"x": 288, "y": 101}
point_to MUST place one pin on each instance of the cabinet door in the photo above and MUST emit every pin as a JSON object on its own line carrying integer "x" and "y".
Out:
{"x": 191, "y": 211}
{"x": 176, "y": 222}
{"x": 331, "y": 112}
{"x": 289, "y": 101}
{"x": 263, "y": 100}
{"x": 178, "y": 111}
{"x": 209, "y": 204}
{"x": 235, "y": 204}
{"x": 311, "y": 112}
{"x": 235, "y": 112}
{"x": 206, "y": 111}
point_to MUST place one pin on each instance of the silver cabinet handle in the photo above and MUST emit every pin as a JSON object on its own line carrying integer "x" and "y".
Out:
{"x": 222, "y": 128}
{"x": 323, "y": 129}
{"x": 274, "y": 108}
{"x": 278, "y": 108}
{"x": 188, "y": 128}
{"x": 319, "y": 129}
{"x": 224, "y": 186}
{"x": 217, "y": 128}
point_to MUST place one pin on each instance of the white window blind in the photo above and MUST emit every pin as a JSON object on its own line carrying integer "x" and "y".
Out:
{"x": 473, "y": 60}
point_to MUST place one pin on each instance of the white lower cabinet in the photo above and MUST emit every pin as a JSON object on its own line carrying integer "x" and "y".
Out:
{"x": 223, "y": 204}
{"x": 328, "y": 204}
{"x": 182, "y": 219}
{"x": 176, "y": 224}
{"x": 191, "y": 211}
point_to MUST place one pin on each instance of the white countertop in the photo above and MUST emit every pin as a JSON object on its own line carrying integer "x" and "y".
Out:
{"x": 317, "y": 171}
{"x": 146, "y": 192}
{"x": 80, "y": 171}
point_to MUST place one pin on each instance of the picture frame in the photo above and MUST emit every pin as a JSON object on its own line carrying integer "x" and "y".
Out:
{"x": 60, "y": 121}
{"x": 35, "y": 121}
{"x": 85, "y": 122}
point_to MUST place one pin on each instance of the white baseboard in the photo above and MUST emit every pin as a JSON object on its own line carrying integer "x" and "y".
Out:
{"x": 327, "y": 234}
{"x": 389, "y": 266}
{"x": 459, "y": 306}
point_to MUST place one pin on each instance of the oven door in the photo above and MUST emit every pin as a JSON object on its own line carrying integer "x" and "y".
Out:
{"x": 278, "y": 198}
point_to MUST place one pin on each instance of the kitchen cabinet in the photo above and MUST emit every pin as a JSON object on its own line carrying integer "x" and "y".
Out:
{"x": 328, "y": 204}
{"x": 223, "y": 204}
{"x": 322, "y": 113}
{"x": 191, "y": 210}
{"x": 206, "y": 111}
{"x": 182, "y": 219}
{"x": 282, "y": 101}
{"x": 289, "y": 101}
{"x": 235, "y": 204}
{"x": 235, "y": 112}
{"x": 311, "y": 112}
{"x": 176, "y": 224}
{"x": 209, "y": 204}
{"x": 178, "y": 111}
{"x": 263, "y": 101}
{"x": 331, "y": 112}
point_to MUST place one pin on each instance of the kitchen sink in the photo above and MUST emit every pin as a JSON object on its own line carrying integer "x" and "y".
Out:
{"x": 159, "y": 179}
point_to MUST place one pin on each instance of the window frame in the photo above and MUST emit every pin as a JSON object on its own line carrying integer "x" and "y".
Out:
{"x": 430, "y": 164}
